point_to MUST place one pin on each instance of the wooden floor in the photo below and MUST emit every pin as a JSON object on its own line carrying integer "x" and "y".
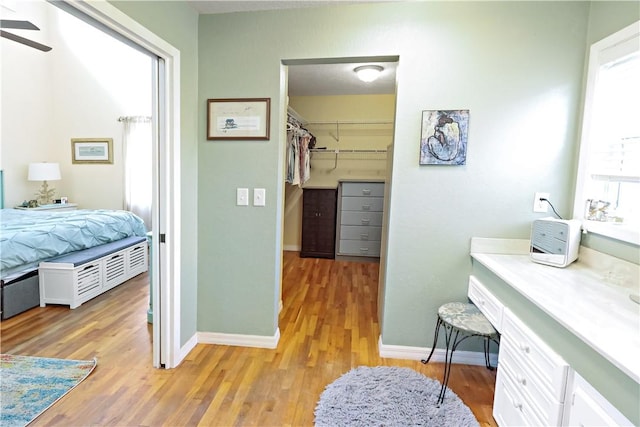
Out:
{"x": 328, "y": 325}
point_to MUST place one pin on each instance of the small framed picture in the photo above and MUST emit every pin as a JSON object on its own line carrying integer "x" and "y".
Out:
{"x": 238, "y": 119}
{"x": 91, "y": 150}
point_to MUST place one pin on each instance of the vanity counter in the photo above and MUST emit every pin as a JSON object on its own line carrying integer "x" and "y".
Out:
{"x": 590, "y": 297}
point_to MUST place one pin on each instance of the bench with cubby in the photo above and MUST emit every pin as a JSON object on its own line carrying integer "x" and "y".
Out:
{"x": 76, "y": 277}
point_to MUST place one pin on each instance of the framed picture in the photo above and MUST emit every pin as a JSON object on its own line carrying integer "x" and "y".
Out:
{"x": 91, "y": 150}
{"x": 444, "y": 137}
{"x": 244, "y": 118}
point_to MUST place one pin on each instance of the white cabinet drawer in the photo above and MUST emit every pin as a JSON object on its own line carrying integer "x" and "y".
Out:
{"x": 510, "y": 408}
{"x": 375, "y": 189}
{"x": 360, "y": 248}
{"x": 535, "y": 355}
{"x": 361, "y": 218}
{"x": 114, "y": 269}
{"x": 363, "y": 204}
{"x": 486, "y": 302}
{"x": 360, "y": 232}
{"x": 535, "y": 393}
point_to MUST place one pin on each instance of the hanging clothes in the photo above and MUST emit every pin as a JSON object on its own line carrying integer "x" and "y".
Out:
{"x": 299, "y": 143}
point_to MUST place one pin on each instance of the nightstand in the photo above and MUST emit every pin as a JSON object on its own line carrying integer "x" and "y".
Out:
{"x": 57, "y": 207}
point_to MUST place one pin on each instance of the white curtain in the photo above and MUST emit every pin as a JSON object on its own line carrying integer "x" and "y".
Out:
{"x": 138, "y": 155}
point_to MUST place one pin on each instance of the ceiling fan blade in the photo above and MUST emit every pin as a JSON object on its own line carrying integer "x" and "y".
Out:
{"x": 17, "y": 25}
{"x": 24, "y": 41}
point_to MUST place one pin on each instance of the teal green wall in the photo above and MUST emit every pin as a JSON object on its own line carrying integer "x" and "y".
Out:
{"x": 516, "y": 66}
{"x": 177, "y": 24}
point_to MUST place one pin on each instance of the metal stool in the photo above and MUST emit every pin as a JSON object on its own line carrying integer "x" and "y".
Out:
{"x": 466, "y": 321}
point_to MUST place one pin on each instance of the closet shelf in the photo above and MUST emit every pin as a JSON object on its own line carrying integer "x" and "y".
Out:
{"x": 338, "y": 123}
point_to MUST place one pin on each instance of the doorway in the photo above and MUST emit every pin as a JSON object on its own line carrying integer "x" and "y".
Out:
{"x": 165, "y": 268}
{"x": 352, "y": 125}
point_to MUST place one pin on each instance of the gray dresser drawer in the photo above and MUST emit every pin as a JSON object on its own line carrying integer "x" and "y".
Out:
{"x": 366, "y": 189}
{"x": 360, "y": 232}
{"x": 361, "y": 218}
{"x": 364, "y": 204}
{"x": 360, "y": 248}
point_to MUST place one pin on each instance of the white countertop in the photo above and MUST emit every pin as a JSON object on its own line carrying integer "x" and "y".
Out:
{"x": 589, "y": 297}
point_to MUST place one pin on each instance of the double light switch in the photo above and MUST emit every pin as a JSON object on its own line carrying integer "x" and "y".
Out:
{"x": 242, "y": 197}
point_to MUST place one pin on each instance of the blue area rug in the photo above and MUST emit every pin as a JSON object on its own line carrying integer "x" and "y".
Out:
{"x": 30, "y": 385}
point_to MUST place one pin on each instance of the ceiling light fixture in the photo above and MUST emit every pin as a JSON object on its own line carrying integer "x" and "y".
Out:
{"x": 368, "y": 73}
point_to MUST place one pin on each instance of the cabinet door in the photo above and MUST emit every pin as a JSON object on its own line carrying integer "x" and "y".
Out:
{"x": 587, "y": 407}
{"x": 318, "y": 223}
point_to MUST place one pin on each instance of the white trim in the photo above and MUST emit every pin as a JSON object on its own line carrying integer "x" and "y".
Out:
{"x": 419, "y": 353}
{"x": 188, "y": 346}
{"x": 113, "y": 18}
{"x": 291, "y": 248}
{"x": 259, "y": 341}
{"x": 624, "y": 234}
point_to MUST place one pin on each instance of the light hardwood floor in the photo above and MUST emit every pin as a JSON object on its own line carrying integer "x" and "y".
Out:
{"x": 328, "y": 325}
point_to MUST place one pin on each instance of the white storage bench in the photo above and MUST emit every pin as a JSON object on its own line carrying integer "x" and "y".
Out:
{"x": 75, "y": 278}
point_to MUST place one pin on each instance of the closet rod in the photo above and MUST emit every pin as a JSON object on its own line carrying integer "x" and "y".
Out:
{"x": 338, "y": 151}
{"x": 351, "y": 122}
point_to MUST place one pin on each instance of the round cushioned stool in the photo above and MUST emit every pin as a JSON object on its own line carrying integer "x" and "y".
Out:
{"x": 460, "y": 321}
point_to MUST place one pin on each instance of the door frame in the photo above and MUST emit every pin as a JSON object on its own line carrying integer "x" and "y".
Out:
{"x": 165, "y": 266}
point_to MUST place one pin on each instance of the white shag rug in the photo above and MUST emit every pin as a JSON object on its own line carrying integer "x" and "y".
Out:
{"x": 389, "y": 396}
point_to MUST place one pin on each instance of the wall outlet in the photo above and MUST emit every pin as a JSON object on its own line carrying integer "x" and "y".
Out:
{"x": 540, "y": 205}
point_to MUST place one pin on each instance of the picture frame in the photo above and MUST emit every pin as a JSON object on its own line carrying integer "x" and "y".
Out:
{"x": 238, "y": 119}
{"x": 444, "y": 137}
{"x": 92, "y": 150}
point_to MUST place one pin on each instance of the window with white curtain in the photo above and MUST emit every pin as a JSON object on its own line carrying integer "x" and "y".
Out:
{"x": 137, "y": 144}
{"x": 608, "y": 182}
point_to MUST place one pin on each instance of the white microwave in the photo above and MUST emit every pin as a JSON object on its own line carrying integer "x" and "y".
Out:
{"x": 555, "y": 241}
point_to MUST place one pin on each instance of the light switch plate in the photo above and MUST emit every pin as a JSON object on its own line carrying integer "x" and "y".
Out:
{"x": 242, "y": 197}
{"x": 259, "y": 195}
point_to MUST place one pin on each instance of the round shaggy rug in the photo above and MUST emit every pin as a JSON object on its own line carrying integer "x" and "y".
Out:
{"x": 389, "y": 396}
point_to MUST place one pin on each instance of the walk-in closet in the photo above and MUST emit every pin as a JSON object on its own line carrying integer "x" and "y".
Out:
{"x": 339, "y": 143}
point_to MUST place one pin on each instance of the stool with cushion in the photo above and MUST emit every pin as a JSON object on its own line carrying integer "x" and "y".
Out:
{"x": 460, "y": 321}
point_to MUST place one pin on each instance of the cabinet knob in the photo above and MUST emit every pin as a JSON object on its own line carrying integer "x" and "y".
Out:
{"x": 525, "y": 348}
{"x": 366, "y": 207}
{"x": 516, "y": 404}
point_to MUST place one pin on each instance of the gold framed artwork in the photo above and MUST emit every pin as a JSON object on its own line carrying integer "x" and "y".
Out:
{"x": 92, "y": 150}
{"x": 238, "y": 119}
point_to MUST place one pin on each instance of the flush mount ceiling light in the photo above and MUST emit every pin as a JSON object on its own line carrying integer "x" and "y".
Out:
{"x": 368, "y": 73}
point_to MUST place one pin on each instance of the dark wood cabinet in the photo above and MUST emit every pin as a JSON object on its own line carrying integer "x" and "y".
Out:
{"x": 318, "y": 223}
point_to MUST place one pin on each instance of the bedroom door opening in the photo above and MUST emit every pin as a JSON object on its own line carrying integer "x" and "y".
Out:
{"x": 165, "y": 205}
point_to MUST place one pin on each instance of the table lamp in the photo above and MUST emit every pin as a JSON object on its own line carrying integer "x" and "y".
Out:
{"x": 44, "y": 172}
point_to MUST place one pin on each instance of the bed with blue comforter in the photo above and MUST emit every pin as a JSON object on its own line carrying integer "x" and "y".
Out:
{"x": 28, "y": 237}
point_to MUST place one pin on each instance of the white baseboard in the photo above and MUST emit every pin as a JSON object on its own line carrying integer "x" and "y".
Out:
{"x": 239, "y": 340}
{"x": 186, "y": 348}
{"x": 419, "y": 353}
{"x": 292, "y": 248}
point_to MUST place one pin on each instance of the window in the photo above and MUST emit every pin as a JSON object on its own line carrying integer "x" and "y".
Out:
{"x": 608, "y": 183}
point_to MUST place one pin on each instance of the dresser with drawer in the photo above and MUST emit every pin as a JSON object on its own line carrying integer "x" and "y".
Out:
{"x": 359, "y": 228}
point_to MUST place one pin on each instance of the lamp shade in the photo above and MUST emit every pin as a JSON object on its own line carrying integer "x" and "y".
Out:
{"x": 44, "y": 172}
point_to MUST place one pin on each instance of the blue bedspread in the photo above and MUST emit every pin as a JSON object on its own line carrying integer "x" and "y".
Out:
{"x": 28, "y": 237}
